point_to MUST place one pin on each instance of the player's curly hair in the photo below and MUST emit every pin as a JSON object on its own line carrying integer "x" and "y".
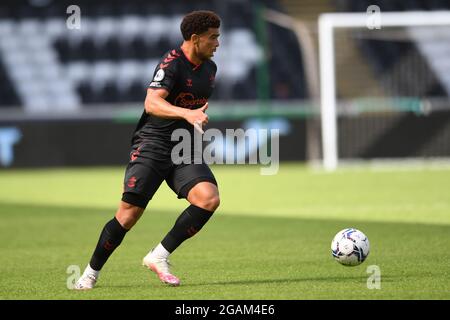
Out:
{"x": 198, "y": 22}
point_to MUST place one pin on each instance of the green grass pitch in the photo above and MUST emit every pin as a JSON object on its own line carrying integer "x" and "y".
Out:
{"x": 270, "y": 239}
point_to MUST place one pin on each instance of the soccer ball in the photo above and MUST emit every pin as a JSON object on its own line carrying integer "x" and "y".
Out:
{"x": 350, "y": 247}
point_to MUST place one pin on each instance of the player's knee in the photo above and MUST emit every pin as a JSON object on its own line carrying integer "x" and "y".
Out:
{"x": 210, "y": 202}
{"x": 126, "y": 219}
{"x": 205, "y": 196}
{"x": 214, "y": 203}
{"x": 128, "y": 215}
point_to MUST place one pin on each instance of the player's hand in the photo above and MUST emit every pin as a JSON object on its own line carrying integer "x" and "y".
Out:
{"x": 198, "y": 117}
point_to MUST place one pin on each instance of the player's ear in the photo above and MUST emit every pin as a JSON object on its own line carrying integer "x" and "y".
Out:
{"x": 195, "y": 38}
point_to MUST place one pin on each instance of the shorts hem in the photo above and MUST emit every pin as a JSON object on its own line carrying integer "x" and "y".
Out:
{"x": 184, "y": 190}
{"x": 135, "y": 199}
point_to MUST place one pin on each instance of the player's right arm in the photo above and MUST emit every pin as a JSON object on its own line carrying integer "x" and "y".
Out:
{"x": 157, "y": 105}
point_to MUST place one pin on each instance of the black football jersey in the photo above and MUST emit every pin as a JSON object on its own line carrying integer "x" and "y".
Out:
{"x": 189, "y": 86}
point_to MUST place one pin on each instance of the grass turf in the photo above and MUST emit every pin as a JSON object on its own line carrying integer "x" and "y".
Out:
{"x": 269, "y": 240}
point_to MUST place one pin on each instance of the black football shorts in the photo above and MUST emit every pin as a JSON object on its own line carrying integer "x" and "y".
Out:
{"x": 147, "y": 170}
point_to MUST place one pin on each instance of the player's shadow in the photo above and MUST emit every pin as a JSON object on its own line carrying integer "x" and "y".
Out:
{"x": 286, "y": 280}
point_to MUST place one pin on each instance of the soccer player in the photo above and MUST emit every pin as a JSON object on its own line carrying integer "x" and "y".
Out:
{"x": 176, "y": 98}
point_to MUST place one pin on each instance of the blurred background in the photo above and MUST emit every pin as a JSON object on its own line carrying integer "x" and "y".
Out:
{"x": 70, "y": 99}
{"x": 72, "y": 96}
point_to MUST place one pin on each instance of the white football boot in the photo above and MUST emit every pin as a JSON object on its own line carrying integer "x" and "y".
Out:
{"x": 86, "y": 282}
{"x": 161, "y": 267}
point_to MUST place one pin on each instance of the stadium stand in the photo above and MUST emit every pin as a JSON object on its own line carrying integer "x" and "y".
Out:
{"x": 111, "y": 59}
{"x": 425, "y": 49}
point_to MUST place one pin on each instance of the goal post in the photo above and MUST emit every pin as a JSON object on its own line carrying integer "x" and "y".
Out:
{"x": 327, "y": 25}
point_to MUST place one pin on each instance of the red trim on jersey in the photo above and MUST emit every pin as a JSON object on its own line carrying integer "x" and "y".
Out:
{"x": 196, "y": 66}
{"x": 167, "y": 60}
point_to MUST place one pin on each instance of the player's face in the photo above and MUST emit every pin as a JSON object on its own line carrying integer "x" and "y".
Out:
{"x": 208, "y": 43}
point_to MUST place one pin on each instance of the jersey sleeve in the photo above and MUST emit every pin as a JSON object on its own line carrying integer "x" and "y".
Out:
{"x": 165, "y": 75}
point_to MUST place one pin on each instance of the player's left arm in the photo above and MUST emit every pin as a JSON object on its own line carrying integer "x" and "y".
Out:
{"x": 157, "y": 105}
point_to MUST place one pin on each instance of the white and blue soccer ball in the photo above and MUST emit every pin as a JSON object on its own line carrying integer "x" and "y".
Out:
{"x": 350, "y": 247}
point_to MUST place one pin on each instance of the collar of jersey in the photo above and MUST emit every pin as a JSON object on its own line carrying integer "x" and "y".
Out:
{"x": 195, "y": 66}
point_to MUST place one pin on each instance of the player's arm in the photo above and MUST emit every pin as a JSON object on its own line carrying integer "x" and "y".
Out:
{"x": 156, "y": 104}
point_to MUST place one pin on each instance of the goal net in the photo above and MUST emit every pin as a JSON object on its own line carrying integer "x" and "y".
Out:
{"x": 385, "y": 91}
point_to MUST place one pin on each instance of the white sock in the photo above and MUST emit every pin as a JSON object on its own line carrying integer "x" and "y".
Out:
{"x": 159, "y": 252}
{"x": 90, "y": 271}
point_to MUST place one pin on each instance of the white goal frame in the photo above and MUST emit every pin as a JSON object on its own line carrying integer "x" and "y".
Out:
{"x": 328, "y": 22}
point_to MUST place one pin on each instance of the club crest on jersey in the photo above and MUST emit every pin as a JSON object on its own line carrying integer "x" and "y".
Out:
{"x": 159, "y": 75}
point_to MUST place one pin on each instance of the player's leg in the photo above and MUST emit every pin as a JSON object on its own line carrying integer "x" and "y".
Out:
{"x": 204, "y": 200}
{"x": 113, "y": 233}
{"x": 197, "y": 184}
{"x": 110, "y": 238}
{"x": 141, "y": 182}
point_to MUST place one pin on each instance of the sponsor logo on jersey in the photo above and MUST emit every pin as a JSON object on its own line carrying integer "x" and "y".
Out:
{"x": 188, "y": 100}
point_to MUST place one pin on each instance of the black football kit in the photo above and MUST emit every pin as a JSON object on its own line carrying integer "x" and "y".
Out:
{"x": 189, "y": 86}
